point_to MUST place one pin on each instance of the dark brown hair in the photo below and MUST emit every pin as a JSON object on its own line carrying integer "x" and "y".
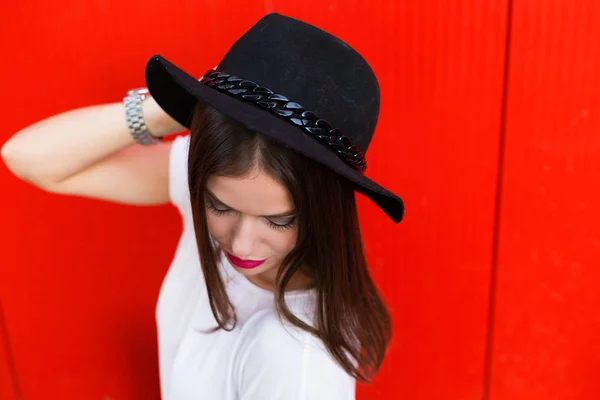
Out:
{"x": 350, "y": 317}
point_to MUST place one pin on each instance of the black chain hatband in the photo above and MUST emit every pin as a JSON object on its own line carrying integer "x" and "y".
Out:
{"x": 291, "y": 112}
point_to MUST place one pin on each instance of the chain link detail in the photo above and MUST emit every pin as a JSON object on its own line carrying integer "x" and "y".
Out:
{"x": 290, "y": 111}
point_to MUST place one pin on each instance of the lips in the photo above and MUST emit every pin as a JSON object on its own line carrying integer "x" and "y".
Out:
{"x": 247, "y": 264}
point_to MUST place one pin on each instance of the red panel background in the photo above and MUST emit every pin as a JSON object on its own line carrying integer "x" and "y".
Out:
{"x": 547, "y": 324}
{"x": 80, "y": 277}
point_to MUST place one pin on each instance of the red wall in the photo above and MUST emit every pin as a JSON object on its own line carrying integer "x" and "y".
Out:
{"x": 488, "y": 130}
{"x": 547, "y": 321}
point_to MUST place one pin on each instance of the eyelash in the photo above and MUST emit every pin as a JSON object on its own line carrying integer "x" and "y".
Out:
{"x": 273, "y": 225}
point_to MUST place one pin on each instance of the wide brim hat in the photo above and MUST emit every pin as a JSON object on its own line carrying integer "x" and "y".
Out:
{"x": 294, "y": 83}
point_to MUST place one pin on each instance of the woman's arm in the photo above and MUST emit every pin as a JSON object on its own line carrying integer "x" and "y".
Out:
{"x": 90, "y": 152}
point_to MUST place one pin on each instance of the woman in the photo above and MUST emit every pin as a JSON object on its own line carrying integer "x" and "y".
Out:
{"x": 269, "y": 295}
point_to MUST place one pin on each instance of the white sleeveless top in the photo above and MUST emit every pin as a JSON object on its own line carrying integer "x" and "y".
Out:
{"x": 262, "y": 358}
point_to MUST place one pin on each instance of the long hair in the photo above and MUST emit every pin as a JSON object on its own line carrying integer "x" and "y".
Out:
{"x": 350, "y": 317}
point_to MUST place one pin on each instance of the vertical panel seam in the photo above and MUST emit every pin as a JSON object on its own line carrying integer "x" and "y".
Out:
{"x": 10, "y": 360}
{"x": 489, "y": 344}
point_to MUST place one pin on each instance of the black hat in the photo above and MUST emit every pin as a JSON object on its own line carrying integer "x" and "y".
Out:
{"x": 294, "y": 83}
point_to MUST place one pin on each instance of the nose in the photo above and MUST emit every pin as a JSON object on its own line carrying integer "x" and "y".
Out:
{"x": 243, "y": 238}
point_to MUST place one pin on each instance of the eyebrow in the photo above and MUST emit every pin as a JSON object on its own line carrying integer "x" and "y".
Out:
{"x": 281, "y": 215}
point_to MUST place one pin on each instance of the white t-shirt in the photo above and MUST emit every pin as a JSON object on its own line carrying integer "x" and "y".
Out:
{"x": 262, "y": 358}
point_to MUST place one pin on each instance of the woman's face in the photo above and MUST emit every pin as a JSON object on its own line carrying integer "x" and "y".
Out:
{"x": 253, "y": 219}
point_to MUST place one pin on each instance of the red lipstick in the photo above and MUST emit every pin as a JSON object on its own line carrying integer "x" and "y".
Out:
{"x": 247, "y": 264}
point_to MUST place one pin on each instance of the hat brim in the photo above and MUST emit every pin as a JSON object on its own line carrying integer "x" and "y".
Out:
{"x": 177, "y": 93}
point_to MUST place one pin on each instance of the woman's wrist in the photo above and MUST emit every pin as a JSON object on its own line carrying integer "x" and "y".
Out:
{"x": 158, "y": 122}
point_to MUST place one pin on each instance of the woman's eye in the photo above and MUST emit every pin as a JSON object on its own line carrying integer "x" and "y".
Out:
{"x": 281, "y": 226}
{"x": 277, "y": 225}
{"x": 217, "y": 211}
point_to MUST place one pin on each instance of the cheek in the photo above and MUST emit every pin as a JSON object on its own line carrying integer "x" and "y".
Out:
{"x": 217, "y": 227}
{"x": 283, "y": 242}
